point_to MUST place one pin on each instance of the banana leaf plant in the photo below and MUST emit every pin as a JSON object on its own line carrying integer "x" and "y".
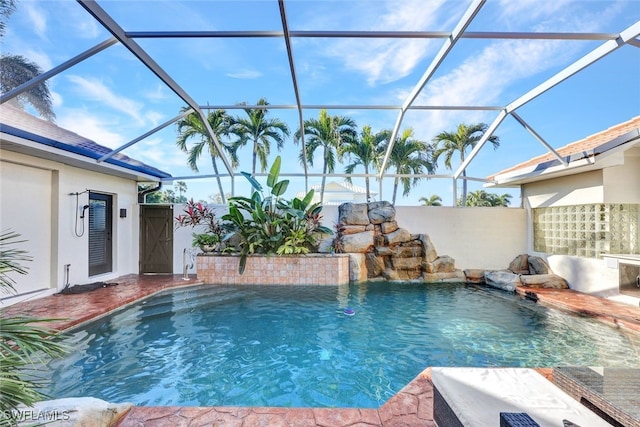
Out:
{"x": 267, "y": 223}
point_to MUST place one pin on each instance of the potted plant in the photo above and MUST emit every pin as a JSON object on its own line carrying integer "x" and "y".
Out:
{"x": 207, "y": 242}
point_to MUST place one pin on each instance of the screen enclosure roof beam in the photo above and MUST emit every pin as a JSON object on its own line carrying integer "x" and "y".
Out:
{"x": 112, "y": 26}
{"x": 598, "y": 53}
{"x": 464, "y": 22}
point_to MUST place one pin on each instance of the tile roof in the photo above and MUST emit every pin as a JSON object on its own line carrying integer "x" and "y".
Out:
{"x": 589, "y": 146}
{"x": 17, "y": 122}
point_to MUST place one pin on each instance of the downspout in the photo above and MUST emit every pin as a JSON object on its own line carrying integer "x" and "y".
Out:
{"x": 142, "y": 195}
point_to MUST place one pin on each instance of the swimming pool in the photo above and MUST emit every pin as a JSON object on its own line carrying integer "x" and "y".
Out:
{"x": 294, "y": 346}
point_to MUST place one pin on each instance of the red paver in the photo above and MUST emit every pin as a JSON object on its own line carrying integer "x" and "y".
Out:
{"x": 411, "y": 406}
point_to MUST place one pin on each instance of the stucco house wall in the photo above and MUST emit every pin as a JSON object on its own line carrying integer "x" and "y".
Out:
{"x": 37, "y": 204}
{"x": 604, "y": 170}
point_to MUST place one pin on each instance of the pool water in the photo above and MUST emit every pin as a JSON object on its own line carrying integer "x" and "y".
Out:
{"x": 295, "y": 347}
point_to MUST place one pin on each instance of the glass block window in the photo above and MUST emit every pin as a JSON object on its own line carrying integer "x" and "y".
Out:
{"x": 587, "y": 230}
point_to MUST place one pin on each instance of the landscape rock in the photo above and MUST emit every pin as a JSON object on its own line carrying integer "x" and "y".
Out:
{"x": 444, "y": 264}
{"x": 374, "y": 264}
{"x": 520, "y": 264}
{"x": 552, "y": 281}
{"x": 353, "y": 214}
{"x": 402, "y": 263}
{"x": 76, "y": 412}
{"x": 390, "y": 274}
{"x": 357, "y": 243}
{"x": 353, "y": 229}
{"x": 474, "y": 275}
{"x": 357, "y": 268}
{"x": 538, "y": 266}
{"x": 380, "y": 212}
{"x": 401, "y": 235}
{"x": 429, "y": 251}
{"x": 502, "y": 279}
{"x": 325, "y": 244}
{"x": 388, "y": 227}
{"x": 406, "y": 251}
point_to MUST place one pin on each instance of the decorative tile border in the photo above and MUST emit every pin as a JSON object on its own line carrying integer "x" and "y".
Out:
{"x": 310, "y": 269}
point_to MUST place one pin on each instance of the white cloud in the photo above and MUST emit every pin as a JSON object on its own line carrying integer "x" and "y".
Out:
{"x": 42, "y": 59}
{"x": 245, "y": 74}
{"x": 90, "y": 126}
{"x": 160, "y": 93}
{"x": 387, "y": 60}
{"x": 96, "y": 90}
{"x": 37, "y": 18}
{"x": 154, "y": 117}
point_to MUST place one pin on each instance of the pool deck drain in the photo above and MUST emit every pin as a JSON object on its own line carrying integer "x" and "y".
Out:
{"x": 411, "y": 406}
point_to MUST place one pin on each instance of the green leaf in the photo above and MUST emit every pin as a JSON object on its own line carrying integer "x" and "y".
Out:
{"x": 280, "y": 187}
{"x": 255, "y": 184}
{"x": 274, "y": 173}
{"x": 307, "y": 199}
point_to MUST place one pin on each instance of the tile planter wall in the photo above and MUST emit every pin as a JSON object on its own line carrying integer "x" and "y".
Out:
{"x": 311, "y": 269}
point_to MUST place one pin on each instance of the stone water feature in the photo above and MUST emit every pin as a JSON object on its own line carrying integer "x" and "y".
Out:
{"x": 380, "y": 249}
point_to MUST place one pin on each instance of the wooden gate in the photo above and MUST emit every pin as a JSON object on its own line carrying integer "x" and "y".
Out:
{"x": 156, "y": 239}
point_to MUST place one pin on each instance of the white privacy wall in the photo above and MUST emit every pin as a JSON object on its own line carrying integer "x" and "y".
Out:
{"x": 486, "y": 238}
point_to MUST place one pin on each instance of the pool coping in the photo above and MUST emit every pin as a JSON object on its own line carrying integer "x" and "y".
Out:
{"x": 412, "y": 405}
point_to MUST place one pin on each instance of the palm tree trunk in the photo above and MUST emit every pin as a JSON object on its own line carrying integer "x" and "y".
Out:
{"x": 324, "y": 178}
{"x": 366, "y": 183}
{"x": 464, "y": 181}
{"x": 395, "y": 190}
{"x": 255, "y": 157}
{"x": 215, "y": 170}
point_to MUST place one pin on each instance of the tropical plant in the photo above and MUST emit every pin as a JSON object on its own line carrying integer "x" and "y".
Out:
{"x": 328, "y": 133}
{"x": 409, "y": 156}
{"x": 197, "y": 213}
{"x": 260, "y": 131}
{"x": 191, "y": 127}
{"x": 269, "y": 224}
{"x": 482, "y": 198}
{"x": 465, "y": 137}
{"x": 365, "y": 151}
{"x": 24, "y": 341}
{"x": 201, "y": 240}
{"x": 433, "y": 200}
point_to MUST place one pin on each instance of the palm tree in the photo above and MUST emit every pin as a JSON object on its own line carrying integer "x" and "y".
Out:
{"x": 329, "y": 133}
{"x": 180, "y": 187}
{"x": 434, "y": 200}
{"x": 482, "y": 198}
{"x": 448, "y": 143}
{"x": 409, "y": 156}
{"x": 192, "y": 127}
{"x": 259, "y": 130}
{"x": 502, "y": 200}
{"x": 16, "y": 70}
{"x": 365, "y": 151}
{"x": 7, "y": 7}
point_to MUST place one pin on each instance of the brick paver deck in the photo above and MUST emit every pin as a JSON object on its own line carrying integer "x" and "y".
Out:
{"x": 412, "y": 406}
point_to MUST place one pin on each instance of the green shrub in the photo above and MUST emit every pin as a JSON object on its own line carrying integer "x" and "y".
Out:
{"x": 270, "y": 224}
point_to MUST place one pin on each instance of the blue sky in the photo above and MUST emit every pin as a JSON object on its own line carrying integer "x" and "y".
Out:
{"x": 112, "y": 99}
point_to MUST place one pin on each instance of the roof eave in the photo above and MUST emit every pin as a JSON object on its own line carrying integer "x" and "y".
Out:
{"x": 605, "y": 155}
{"x": 25, "y": 146}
